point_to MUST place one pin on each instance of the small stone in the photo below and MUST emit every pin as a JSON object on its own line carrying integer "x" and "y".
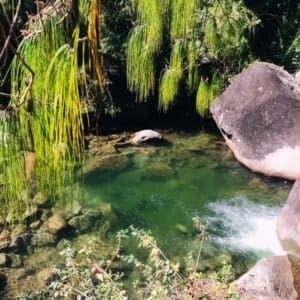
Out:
{"x": 45, "y": 215}
{"x": 18, "y": 237}
{"x": 3, "y": 260}
{"x": 31, "y": 211}
{"x": 45, "y": 276}
{"x": 55, "y": 224}
{"x": 16, "y": 260}
{"x": 40, "y": 199}
{"x": 63, "y": 244}
{"x": 181, "y": 228}
{"x": 70, "y": 210}
{"x": 4, "y": 239}
{"x": 35, "y": 225}
{"x": 42, "y": 239}
{"x": 23, "y": 273}
{"x": 89, "y": 219}
{"x": 108, "y": 149}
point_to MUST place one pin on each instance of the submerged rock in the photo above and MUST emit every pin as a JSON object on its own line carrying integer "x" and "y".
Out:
{"x": 146, "y": 135}
{"x": 88, "y": 220}
{"x": 271, "y": 278}
{"x": 105, "y": 163}
{"x": 43, "y": 238}
{"x": 259, "y": 117}
{"x": 288, "y": 224}
{"x": 158, "y": 171}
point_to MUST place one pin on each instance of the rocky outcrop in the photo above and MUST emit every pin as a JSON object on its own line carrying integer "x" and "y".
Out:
{"x": 288, "y": 224}
{"x": 270, "y": 279}
{"x": 259, "y": 117}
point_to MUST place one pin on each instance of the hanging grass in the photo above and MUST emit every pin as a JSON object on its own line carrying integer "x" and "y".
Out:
{"x": 144, "y": 44}
{"x": 216, "y": 86}
{"x": 193, "y": 71}
{"x": 170, "y": 82}
{"x": 169, "y": 87}
{"x": 47, "y": 123}
{"x": 183, "y": 18}
{"x": 211, "y": 37}
{"x": 140, "y": 66}
{"x": 203, "y": 98}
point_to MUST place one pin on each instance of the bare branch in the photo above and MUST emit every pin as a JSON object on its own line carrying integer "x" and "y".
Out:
{"x": 11, "y": 29}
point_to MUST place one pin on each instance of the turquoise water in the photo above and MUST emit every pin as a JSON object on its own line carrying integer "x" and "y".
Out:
{"x": 162, "y": 188}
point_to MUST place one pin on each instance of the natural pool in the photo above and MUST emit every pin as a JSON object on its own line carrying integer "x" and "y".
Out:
{"x": 162, "y": 188}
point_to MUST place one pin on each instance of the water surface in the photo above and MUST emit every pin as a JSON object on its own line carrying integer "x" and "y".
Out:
{"x": 162, "y": 188}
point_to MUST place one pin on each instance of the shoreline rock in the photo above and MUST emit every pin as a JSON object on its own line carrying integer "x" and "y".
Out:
{"x": 288, "y": 223}
{"x": 270, "y": 279}
{"x": 259, "y": 117}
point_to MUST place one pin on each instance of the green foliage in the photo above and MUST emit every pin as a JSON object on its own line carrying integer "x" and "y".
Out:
{"x": 203, "y": 98}
{"x": 140, "y": 65}
{"x": 207, "y": 92}
{"x": 88, "y": 276}
{"x": 193, "y": 71}
{"x": 144, "y": 43}
{"x": 292, "y": 56}
{"x": 171, "y": 78}
{"x": 214, "y": 33}
{"x": 46, "y": 119}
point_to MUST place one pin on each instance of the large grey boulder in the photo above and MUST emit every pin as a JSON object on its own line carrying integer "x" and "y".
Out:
{"x": 270, "y": 279}
{"x": 288, "y": 223}
{"x": 259, "y": 117}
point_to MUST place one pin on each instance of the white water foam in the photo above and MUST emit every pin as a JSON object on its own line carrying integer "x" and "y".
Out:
{"x": 244, "y": 226}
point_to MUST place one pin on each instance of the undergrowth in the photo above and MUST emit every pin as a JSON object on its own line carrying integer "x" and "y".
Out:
{"x": 156, "y": 276}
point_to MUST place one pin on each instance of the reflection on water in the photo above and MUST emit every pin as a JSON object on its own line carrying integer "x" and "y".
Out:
{"x": 162, "y": 189}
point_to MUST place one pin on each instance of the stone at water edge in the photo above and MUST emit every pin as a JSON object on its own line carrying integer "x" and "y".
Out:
{"x": 4, "y": 260}
{"x": 144, "y": 136}
{"x": 259, "y": 117}
{"x": 288, "y": 223}
{"x": 270, "y": 279}
{"x": 55, "y": 224}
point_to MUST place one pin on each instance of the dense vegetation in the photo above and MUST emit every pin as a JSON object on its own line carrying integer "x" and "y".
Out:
{"x": 69, "y": 68}
{"x": 69, "y": 59}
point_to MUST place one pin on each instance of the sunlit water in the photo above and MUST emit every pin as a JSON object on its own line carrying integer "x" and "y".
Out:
{"x": 202, "y": 179}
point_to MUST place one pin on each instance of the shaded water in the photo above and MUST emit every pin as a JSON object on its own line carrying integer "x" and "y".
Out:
{"x": 162, "y": 189}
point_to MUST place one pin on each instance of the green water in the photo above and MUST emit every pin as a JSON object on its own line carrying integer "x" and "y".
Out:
{"x": 162, "y": 188}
